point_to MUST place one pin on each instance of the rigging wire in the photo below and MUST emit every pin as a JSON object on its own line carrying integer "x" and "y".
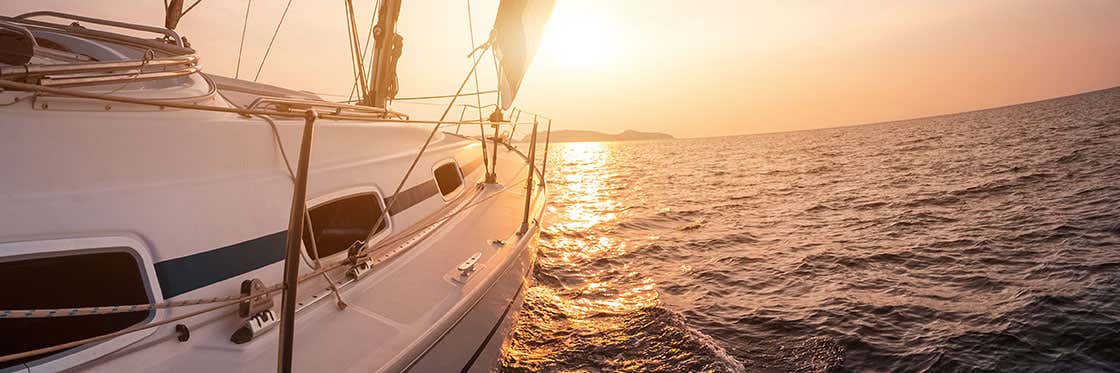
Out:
{"x": 189, "y": 8}
{"x": 313, "y": 248}
{"x": 435, "y": 129}
{"x": 497, "y": 77}
{"x": 445, "y": 96}
{"x": 350, "y": 50}
{"x": 311, "y": 255}
{"x": 244, "y": 26}
{"x": 356, "y": 47}
{"x": 105, "y": 310}
{"x": 274, "y": 33}
{"x": 229, "y": 300}
{"x": 221, "y": 109}
{"x": 365, "y": 48}
{"x": 478, "y": 98}
{"x": 406, "y": 100}
{"x": 319, "y": 270}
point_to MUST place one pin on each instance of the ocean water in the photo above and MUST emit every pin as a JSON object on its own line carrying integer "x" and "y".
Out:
{"x": 982, "y": 241}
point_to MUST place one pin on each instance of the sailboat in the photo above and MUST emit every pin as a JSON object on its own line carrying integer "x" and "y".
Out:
{"x": 159, "y": 218}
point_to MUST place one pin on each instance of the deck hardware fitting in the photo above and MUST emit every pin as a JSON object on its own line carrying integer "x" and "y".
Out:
{"x": 360, "y": 270}
{"x": 257, "y": 304}
{"x": 254, "y": 327}
{"x": 183, "y": 333}
{"x": 468, "y": 265}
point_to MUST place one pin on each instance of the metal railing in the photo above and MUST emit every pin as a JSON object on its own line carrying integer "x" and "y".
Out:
{"x": 288, "y": 104}
{"x": 17, "y": 77}
{"x": 34, "y": 73}
{"x": 175, "y": 58}
{"x": 168, "y": 33}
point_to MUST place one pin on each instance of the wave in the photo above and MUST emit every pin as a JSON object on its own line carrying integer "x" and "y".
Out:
{"x": 982, "y": 241}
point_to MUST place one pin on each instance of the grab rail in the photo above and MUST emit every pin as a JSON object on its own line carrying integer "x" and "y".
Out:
{"x": 338, "y": 107}
{"x": 171, "y": 34}
{"x": 32, "y": 71}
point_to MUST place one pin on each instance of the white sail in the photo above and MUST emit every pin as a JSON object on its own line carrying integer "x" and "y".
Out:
{"x": 517, "y": 33}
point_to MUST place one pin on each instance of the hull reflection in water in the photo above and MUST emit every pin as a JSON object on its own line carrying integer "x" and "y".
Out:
{"x": 976, "y": 241}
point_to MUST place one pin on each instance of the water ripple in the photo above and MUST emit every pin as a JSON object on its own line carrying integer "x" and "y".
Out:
{"x": 982, "y": 241}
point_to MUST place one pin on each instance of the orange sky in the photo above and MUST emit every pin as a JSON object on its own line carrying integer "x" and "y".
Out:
{"x": 699, "y": 68}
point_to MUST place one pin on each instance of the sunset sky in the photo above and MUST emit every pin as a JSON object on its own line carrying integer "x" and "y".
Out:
{"x": 691, "y": 68}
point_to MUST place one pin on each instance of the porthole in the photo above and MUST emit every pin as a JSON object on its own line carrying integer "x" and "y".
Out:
{"x": 449, "y": 178}
{"x": 339, "y": 223}
{"x": 110, "y": 276}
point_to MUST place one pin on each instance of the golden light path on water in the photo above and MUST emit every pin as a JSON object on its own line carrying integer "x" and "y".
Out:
{"x": 980, "y": 241}
{"x": 577, "y": 286}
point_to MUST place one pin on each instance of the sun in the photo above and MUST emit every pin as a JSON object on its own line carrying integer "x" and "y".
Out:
{"x": 577, "y": 38}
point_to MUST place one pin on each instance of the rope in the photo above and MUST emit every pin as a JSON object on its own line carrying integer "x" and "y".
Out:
{"x": 118, "y": 333}
{"x": 148, "y": 56}
{"x": 224, "y": 301}
{"x": 104, "y": 310}
{"x": 313, "y": 247}
{"x": 172, "y": 104}
{"x": 397, "y": 192}
{"x": 229, "y": 300}
{"x": 238, "y": 110}
{"x": 274, "y": 33}
{"x": 244, "y": 26}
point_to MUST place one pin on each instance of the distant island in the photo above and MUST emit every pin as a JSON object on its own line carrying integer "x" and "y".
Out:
{"x": 593, "y": 136}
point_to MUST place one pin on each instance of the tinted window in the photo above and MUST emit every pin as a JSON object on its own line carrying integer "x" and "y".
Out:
{"x": 341, "y": 222}
{"x": 448, "y": 178}
{"x": 83, "y": 280}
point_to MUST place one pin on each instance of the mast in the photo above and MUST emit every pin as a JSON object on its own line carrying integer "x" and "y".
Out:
{"x": 387, "y": 48}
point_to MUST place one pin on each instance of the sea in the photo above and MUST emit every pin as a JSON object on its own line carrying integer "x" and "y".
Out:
{"x": 979, "y": 241}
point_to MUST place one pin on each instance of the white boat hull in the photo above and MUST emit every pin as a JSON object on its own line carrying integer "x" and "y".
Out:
{"x": 188, "y": 194}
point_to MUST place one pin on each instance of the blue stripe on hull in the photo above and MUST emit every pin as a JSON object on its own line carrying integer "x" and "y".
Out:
{"x": 181, "y": 275}
{"x": 184, "y": 274}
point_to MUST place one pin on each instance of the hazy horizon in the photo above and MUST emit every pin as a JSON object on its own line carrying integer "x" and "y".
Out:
{"x": 724, "y": 68}
{"x": 861, "y": 124}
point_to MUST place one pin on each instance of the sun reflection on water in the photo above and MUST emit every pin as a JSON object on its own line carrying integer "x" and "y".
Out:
{"x": 580, "y": 286}
{"x": 581, "y": 185}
